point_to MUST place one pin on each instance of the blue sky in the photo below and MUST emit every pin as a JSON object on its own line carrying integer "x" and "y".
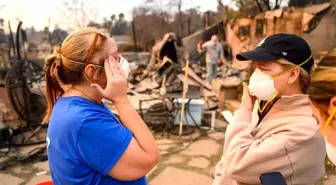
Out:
{"x": 36, "y": 12}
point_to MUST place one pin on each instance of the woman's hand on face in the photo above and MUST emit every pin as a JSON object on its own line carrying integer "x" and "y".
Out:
{"x": 247, "y": 101}
{"x": 116, "y": 86}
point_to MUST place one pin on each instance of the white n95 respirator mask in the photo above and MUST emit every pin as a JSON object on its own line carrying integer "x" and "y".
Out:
{"x": 331, "y": 152}
{"x": 125, "y": 66}
{"x": 262, "y": 86}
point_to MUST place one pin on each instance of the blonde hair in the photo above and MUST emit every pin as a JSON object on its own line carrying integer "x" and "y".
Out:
{"x": 304, "y": 78}
{"x": 323, "y": 81}
{"x": 65, "y": 66}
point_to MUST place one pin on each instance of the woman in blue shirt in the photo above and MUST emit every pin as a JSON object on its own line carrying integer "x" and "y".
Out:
{"x": 86, "y": 144}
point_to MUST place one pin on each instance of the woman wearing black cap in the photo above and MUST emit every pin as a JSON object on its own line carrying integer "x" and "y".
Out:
{"x": 274, "y": 130}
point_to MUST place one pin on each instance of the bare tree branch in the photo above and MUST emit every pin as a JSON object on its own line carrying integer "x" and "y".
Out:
{"x": 280, "y": 3}
{"x": 277, "y": 4}
{"x": 77, "y": 12}
{"x": 220, "y": 3}
{"x": 242, "y": 3}
{"x": 259, "y": 6}
{"x": 267, "y": 3}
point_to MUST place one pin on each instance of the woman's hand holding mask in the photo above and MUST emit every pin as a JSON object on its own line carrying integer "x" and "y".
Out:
{"x": 247, "y": 101}
{"x": 116, "y": 86}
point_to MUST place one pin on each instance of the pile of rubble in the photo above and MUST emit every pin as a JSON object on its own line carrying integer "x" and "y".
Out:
{"x": 153, "y": 77}
{"x": 148, "y": 89}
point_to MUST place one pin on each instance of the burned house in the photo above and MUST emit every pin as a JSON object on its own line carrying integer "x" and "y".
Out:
{"x": 313, "y": 23}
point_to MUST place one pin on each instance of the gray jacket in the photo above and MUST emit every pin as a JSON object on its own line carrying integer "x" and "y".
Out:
{"x": 214, "y": 52}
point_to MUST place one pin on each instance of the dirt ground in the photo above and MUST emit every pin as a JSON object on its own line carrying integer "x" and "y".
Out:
{"x": 189, "y": 160}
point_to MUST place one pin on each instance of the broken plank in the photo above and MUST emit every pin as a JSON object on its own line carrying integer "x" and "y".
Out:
{"x": 207, "y": 93}
{"x": 190, "y": 81}
{"x": 193, "y": 75}
{"x": 331, "y": 53}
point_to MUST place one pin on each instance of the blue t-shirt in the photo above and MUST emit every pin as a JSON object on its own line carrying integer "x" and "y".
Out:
{"x": 84, "y": 142}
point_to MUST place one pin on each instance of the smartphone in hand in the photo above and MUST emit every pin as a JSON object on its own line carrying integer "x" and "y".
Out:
{"x": 274, "y": 178}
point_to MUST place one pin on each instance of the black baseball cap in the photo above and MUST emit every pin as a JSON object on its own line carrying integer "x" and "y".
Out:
{"x": 288, "y": 46}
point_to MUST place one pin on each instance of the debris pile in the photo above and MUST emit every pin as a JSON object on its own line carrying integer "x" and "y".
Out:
{"x": 157, "y": 76}
{"x": 150, "y": 88}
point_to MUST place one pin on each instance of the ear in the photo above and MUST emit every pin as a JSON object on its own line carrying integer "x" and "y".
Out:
{"x": 332, "y": 105}
{"x": 89, "y": 71}
{"x": 294, "y": 75}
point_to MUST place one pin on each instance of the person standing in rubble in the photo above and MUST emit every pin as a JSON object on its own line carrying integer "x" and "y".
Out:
{"x": 86, "y": 143}
{"x": 274, "y": 129}
{"x": 214, "y": 56}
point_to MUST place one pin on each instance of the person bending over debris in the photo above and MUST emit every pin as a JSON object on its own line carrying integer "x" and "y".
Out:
{"x": 214, "y": 56}
{"x": 86, "y": 143}
{"x": 163, "y": 51}
{"x": 274, "y": 129}
{"x": 322, "y": 93}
